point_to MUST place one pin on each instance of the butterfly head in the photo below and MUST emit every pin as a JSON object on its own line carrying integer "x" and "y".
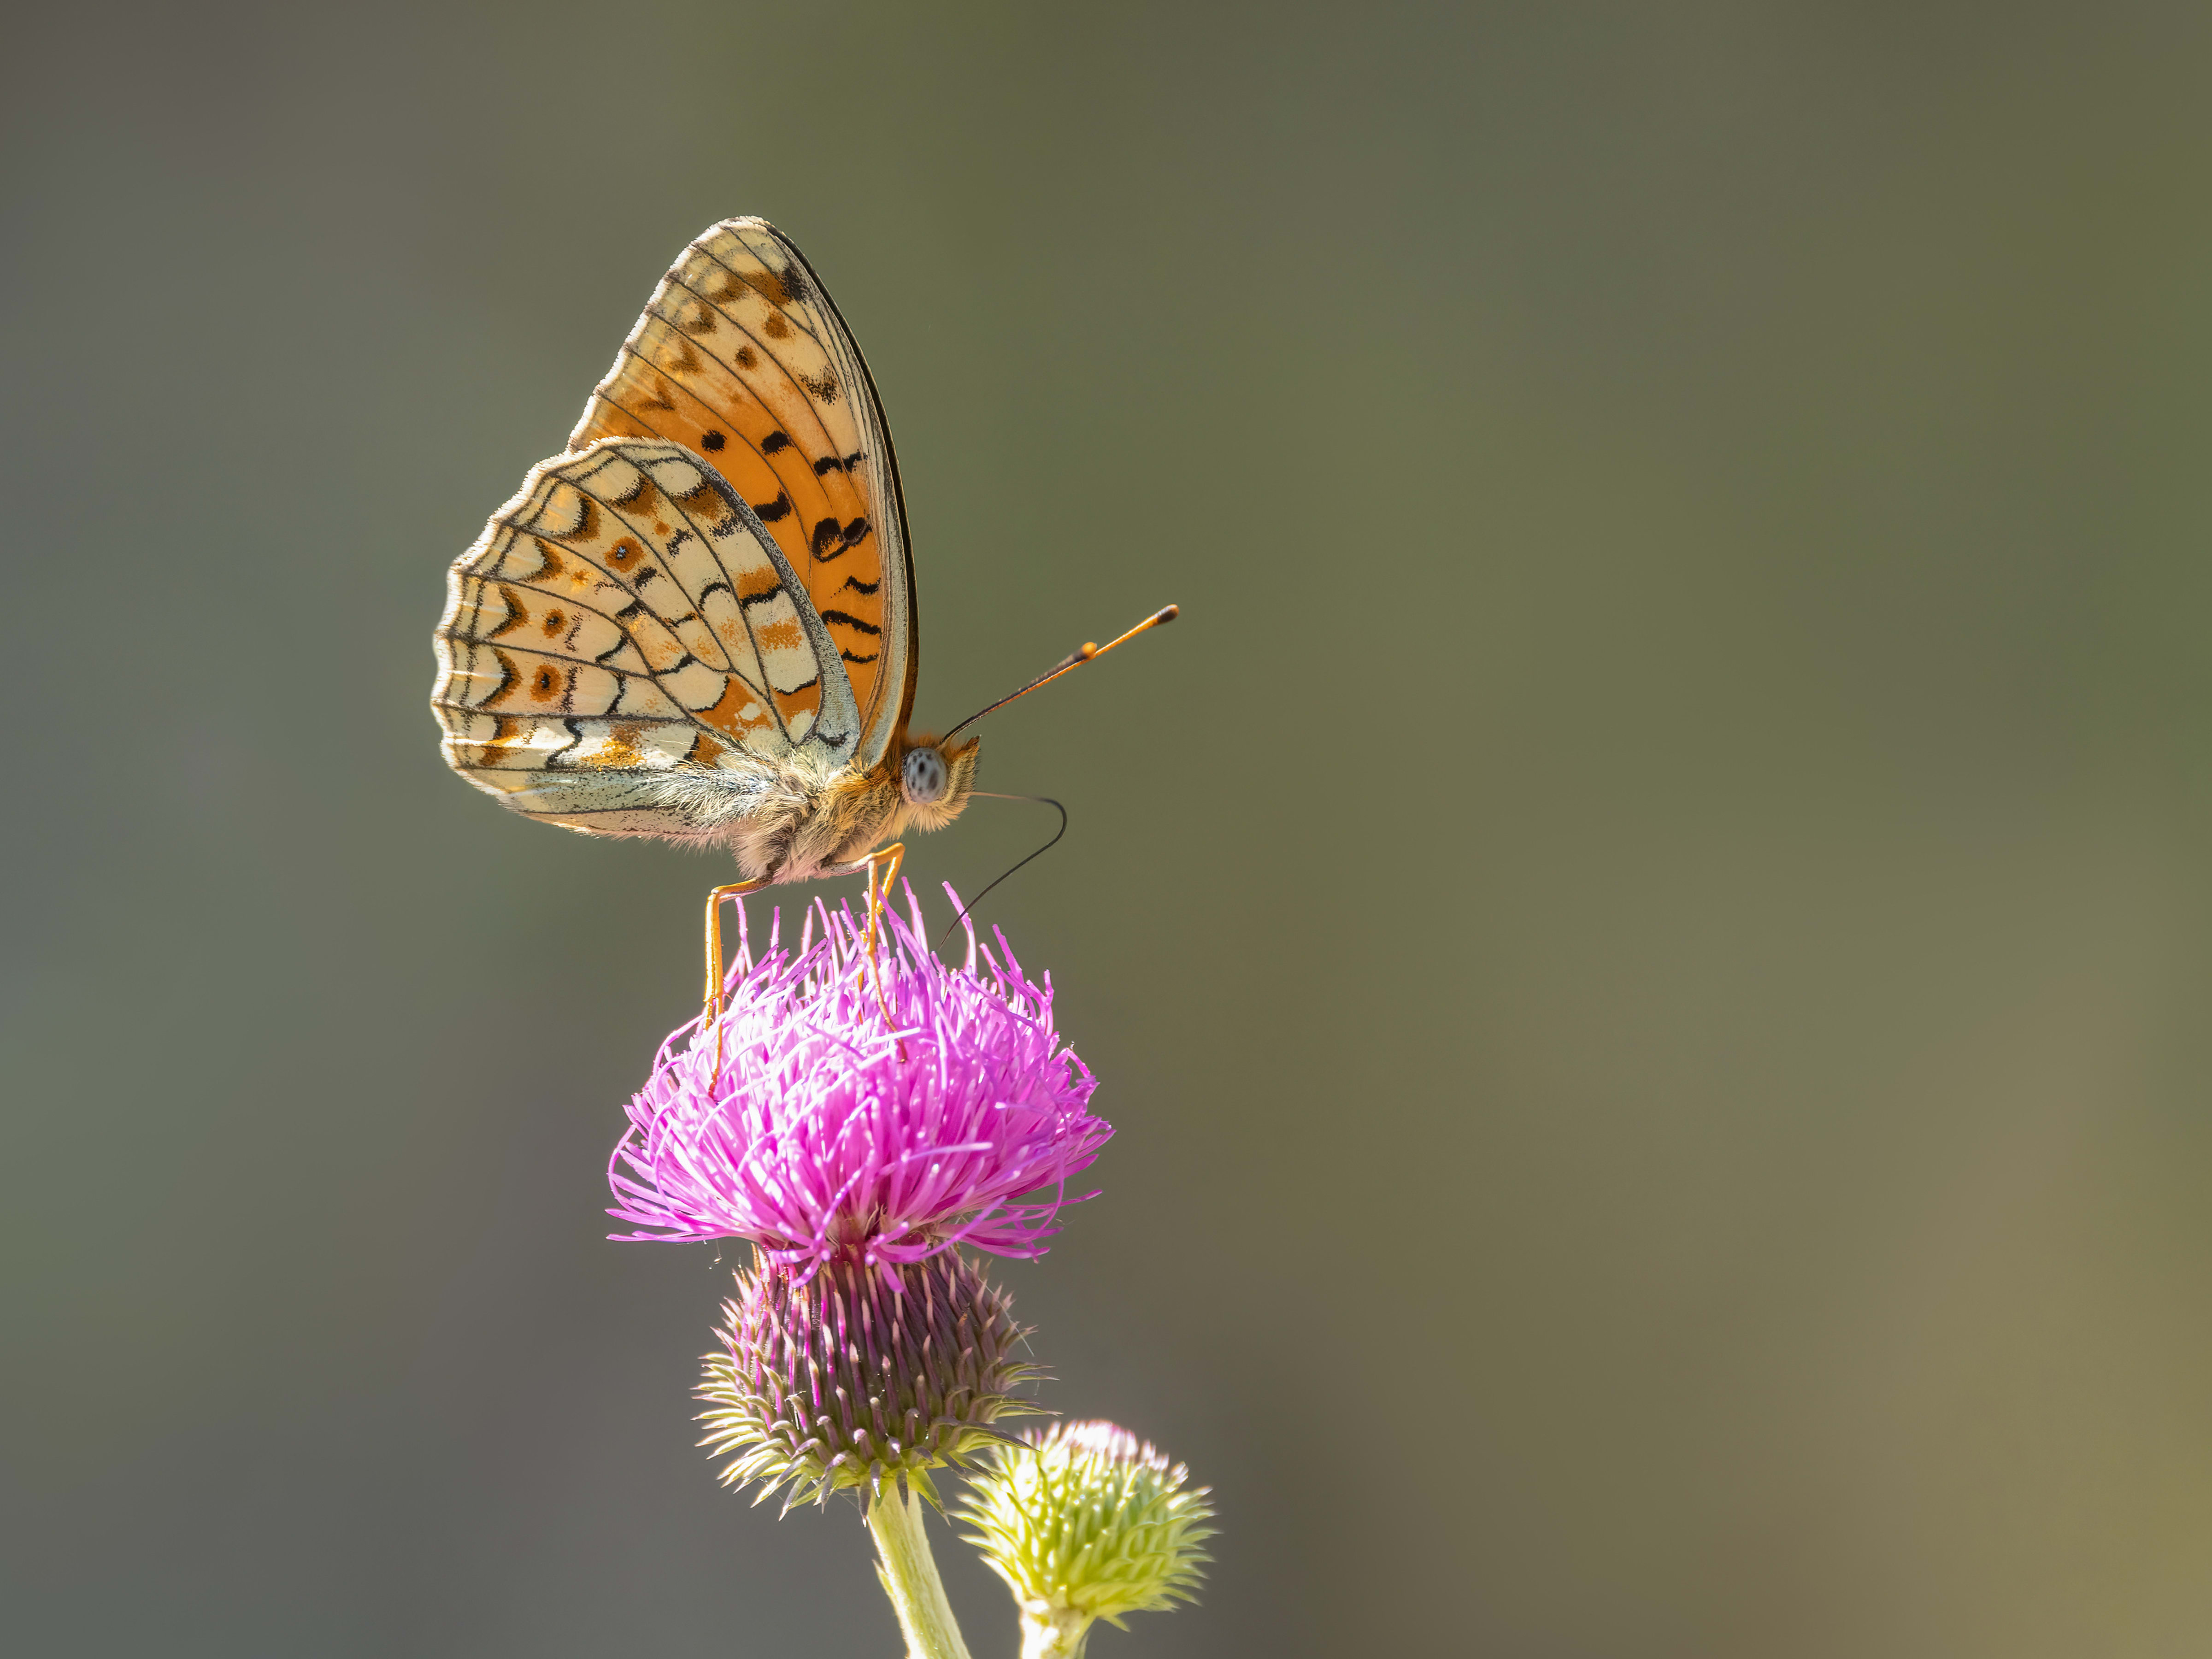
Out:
{"x": 934, "y": 779}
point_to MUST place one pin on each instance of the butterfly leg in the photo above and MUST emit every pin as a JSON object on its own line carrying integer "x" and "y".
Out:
{"x": 888, "y": 860}
{"x": 713, "y": 1008}
{"x": 733, "y": 890}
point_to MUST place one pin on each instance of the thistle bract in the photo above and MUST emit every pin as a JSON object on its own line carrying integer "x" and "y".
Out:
{"x": 803, "y": 1120}
{"x": 1084, "y": 1522}
{"x": 850, "y": 1375}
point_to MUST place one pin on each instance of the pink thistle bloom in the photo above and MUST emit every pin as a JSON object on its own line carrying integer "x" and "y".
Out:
{"x": 823, "y": 1132}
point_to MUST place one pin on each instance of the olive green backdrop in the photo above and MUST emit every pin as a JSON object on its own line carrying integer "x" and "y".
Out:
{"x": 1646, "y": 935}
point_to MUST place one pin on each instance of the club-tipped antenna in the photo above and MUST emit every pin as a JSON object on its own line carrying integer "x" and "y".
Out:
{"x": 967, "y": 909}
{"x": 1075, "y": 658}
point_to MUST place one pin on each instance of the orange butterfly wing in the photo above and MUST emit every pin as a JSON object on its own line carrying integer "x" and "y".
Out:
{"x": 623, "y": 628}
{"x": 742, "y": 357}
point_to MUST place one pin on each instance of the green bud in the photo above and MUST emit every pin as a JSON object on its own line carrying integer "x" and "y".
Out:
{"x": 1083, "y": 1522}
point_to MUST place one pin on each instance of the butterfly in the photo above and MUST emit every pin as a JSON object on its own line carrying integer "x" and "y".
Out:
{"x": 698, "y": 622}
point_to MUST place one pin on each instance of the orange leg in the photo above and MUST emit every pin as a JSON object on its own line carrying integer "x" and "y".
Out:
{"x": 713, "y": 1010}
{"x": 888, "y": 858}
{"x": 734, "y": 890}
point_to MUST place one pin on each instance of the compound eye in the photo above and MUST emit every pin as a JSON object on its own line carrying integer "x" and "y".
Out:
{"x": 924, "y": 776}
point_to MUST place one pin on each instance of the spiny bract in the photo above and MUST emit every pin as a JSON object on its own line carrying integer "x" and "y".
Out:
{"x": 854, "y": 1374}
{"x": 1085, "y": 1522}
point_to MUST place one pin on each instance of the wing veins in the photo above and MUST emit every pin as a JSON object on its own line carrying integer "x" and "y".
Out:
{"x": 890, "y": 704}
{"x": 766, "y": 351}
{"x": 612, "y": 618}
{"x": 715, "y": 419}
{"x": 729, "y": 579}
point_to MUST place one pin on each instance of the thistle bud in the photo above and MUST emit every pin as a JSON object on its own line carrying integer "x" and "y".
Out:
{"x": 1083, "y": 1522}
{"x": 852, "y": 1375}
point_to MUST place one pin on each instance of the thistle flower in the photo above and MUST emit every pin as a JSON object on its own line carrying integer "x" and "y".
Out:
{"x": 1083, "y": 1522}
{"x": 857, "y": 1376}
{"x": 823, "y": 1132}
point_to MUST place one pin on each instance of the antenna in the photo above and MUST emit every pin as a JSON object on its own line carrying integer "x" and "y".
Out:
{"x": 1075, "y": 658}
{"x": 1046, "y": 800}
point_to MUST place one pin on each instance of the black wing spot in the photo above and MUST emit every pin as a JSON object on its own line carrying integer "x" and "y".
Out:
{"x": 713, "y": 441}
{"x": 859, "y": 586}
{"x": 850, "y": 657}
{"x": 856, "y": 533}
{"x": 826, "y": 535}
{"x": 777, "y": 510}
{"x": 850, "y": 621}
{"x": 827, "y": 465}
{"x": 775, "y": 443}
{"x": 855, "y": 458}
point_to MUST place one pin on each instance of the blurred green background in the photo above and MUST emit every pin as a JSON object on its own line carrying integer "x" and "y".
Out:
{"x": 1646, "y": 934}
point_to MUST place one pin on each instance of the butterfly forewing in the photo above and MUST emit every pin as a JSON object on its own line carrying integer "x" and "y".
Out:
{"x": 627, "y": 619}
{"x": 741, "y": 357}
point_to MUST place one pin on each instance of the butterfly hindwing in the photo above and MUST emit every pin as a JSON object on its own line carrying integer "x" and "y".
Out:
{"x": 741, "y": 357}
{"x": 625, "y": 628}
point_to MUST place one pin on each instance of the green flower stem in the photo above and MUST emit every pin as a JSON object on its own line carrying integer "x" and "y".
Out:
{"x": 910, "y": 1574}
{"x": 1050, "y": 1633}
